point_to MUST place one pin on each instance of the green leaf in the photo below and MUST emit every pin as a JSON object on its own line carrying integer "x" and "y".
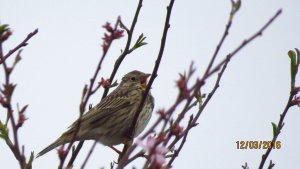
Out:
{"x": 139, "y": 42}
{"x": 294, "y": 57}
{"x": 114, "y": 84}
{"x": 199, "y": 99}
{"x": 143, "y": 43}
{"x": 29, "y": 163}
{"x": 3, "y": 28}
{"x": 275, "y": 129}
{"x": 239, "y": 3}
{"x": 298, "y": 60}
{"x": 235, "y": 6}
{"x": 3, "y": 131}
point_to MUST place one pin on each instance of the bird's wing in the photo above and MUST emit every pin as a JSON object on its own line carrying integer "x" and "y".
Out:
{"x": 111, "y": 104}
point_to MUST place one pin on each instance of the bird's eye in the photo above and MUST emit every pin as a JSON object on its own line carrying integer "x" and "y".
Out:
{"x": 132, "y": 78}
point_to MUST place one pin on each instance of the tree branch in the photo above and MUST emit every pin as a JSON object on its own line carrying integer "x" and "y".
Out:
{"x": 22, "y": 44}
{"x": 124, "y": 158}
{"x": 243, "y": 44}
{"x": 8, "y": 89}
{"x": 293, "y": 92}
{"x": 126, "y": 49}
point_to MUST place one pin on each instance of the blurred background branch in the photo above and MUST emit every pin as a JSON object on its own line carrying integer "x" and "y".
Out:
{"x": 7, "y": 89}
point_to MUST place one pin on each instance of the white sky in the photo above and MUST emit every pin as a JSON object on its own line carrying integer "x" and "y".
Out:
{"x": 62, "y": 57}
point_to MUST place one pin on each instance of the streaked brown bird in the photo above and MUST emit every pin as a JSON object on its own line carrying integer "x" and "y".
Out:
{"x": 109, "y": 121}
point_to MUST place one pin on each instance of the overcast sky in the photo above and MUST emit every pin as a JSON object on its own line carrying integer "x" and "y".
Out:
{"x": 62, "y": 57}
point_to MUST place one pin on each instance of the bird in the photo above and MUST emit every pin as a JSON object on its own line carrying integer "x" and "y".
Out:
{"x": 110, "y": 120}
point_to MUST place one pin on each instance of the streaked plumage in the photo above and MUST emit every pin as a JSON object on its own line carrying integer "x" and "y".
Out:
{"x": 109, "y": 121}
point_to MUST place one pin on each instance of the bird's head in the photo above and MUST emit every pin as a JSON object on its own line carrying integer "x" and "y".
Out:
{"x": 134, "y": 78}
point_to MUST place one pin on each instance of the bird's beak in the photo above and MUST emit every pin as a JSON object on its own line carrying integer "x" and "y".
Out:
{"x": 144, "y": 79}
{"x": 148, "y": 75}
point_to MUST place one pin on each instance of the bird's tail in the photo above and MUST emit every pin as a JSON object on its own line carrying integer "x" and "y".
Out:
{"x": 55, "y": 144}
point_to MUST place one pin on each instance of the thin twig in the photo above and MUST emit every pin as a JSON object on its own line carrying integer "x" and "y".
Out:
{"x": 22, "y": 44}
{"x": 224, "y": 65}
{"x": 75, "y": 153}
{"x": 293, "y": 92}
{"x": 88, "y": 156}
{"x": 178, "y": 119}
{"x": 210, "y": 95}
{"x": 137, "y": 155}
{"x": 181, "y": 144}
{"x": 279, "y": 127}
{"x": 83, "y": 104}
{"x": 242, "y": 45}
{"x": 201, "y": 108}
{"x": 8, "y": 91}
{"x": 157, "y": 63}
{"x": 188, "y": 104}
{"x": 200, "y": 83}
{"x": 116, "y": 67}
{"x": 225, "y": 34}
{"x": 125, "y": 157}
{"x": 126, "y": 49}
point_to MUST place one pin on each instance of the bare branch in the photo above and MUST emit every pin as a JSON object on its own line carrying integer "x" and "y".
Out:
{"x": 127, "y": 46}
{"x": 8, "y": 89}
{"x": 243, "y": 44}
{"x": 124, "y": 158}
{"x": 87, "y": 93}
{"x": 293, "y": 92}
{"x": 22, "y": 44}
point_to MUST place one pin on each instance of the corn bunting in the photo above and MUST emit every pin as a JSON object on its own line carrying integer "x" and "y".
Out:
{"x": 109, "y": 121}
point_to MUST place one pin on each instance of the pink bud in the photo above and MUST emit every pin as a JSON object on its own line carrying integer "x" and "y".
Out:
{"x": 182, "y": 85}
{"x": 161, "y": 112}
{"x": 296, "y": 101}
{"x": 105, "y": 83}
{"x": 107, "y": 38}
{"x": 3, "y": 101}
{"x": 160, "y": 137}
{"x": 61, "y": 152}
{"x": 108, "y": 27}
{"x": 118, "y": 34}
{"x": 105, "y": 47}
{"x": 21, "y": 120}
{"x": 177, "y": 130}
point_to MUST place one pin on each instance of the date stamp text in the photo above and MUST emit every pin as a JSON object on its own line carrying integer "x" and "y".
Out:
{"x": 258, "y": 144}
